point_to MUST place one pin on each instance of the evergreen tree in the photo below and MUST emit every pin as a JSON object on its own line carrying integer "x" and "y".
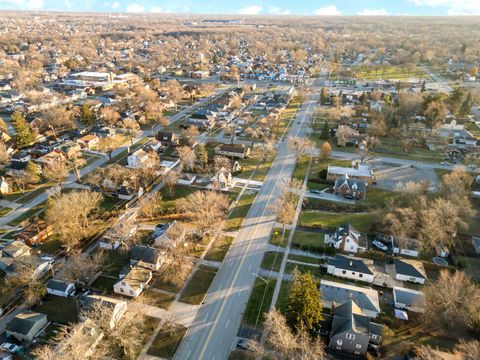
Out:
{"x": 202, "y": 154}
{"x": 466, "y": 107}
{"x": 305, "y": 303}
{"x": 86, "y": 115}
{"x": 23, "y": 132}
{"x": 323, "y": 96}
{"x": 423, "y": 89}
{"x": 455, "y": 100}
{"x": 325, "y": 134}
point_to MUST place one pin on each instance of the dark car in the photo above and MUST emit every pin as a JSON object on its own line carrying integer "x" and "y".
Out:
{"x": 244, "y": 344}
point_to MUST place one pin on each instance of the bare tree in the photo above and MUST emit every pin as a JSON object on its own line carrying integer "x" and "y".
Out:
{"x": 468, "y": 350}
{"x": 71, "y": 215}
{"x": 80, "y": 267}
{"x": 187, "y": 157}
{"x": 301, "y": 145}
{"x": 25, "y": 278}
{"x": 205, "y": 209}
{"x": 55, "y": 171}
{"x": 171, "y": 179}
{"x": 109, "y": 116}
{"x": 150, "y": 207}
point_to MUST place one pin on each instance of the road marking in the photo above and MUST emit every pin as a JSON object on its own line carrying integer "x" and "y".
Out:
{"x": 188, "y": 355}
{"x": 206, "y": 316}
{"x": 249, "y": 267}
{"x": 226, "y": 325}
{"x": 262, "y": 214}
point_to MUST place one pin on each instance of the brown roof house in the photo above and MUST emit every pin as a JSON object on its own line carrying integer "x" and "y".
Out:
{"x": 233, "y": 150}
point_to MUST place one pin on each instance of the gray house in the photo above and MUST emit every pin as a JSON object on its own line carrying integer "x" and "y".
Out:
{"x": 352, "y": 330}
{"x": 26, "y": 325}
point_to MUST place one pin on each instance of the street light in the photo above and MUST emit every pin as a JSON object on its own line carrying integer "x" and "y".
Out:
{"x": 263, "y": 297}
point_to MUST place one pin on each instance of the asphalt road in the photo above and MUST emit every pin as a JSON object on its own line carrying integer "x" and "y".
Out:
{"x": 214, "y": 330}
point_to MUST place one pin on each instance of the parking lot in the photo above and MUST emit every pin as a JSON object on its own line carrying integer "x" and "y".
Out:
{"x": 389, "y": 176}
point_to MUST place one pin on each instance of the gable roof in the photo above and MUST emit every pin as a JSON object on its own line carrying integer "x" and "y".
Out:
{"x": 145, "y": 253}
{"x": 58, "y": 285}
{"x": 408, "y": 296}
{"x": 361, "y": 185}
{"x": 348, "y": 317}
{"x": 352, "y": 263}
{"x": 409, "y": 267}
{"x": 25, "y": 321}
{"x": 365, "y": 298}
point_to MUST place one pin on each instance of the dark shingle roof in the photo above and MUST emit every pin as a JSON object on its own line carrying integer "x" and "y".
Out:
{"x": 350, "y": 263}
{"x": 145, "y": 254}
{"x": 24, "y": 321}
{"x": 58, "y": 285}
{"x": 410, "y": 268}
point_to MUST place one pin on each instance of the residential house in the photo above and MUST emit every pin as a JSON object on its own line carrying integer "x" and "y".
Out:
{"x": 349, "y": 136}
{"x": 148, "y": 257}
{"x": 133, "y": 282}
{"x": 88, "y": 141}
{"x": 69, "y": 149}
{"x": 335, "y": 293}
{"x": 26, "y": 325}
{"x": 50, "y": 158}
{"x": 347, "y": 238}
{"x": 408, "y": 299}
{"x": 138, "y": 159}
{"x": 167, "y": 138}
{"x": 352, "y": 330}
{"x": 232, "y": 150}
{"x": 59, "y": 287}
{"x": 170, "y": 235}
{"x": 34, "y": 233}
{"x": 350, "y": 267}
{"x": 407, "y": 247}
{"x": 117, "y": 307}
{"x": 409, "y": 270}
{"x": 11, "y": 251}
{"x": 36, "y": 265}
{"x": 109, "y": 243}
{"x": 350, "y": 187}
{"x": 359, "y": 171}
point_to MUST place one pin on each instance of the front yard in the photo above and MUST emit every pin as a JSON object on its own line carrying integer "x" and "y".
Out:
{"x": 198, "y": 285}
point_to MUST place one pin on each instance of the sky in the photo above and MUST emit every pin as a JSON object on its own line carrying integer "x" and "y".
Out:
{"x": 258, "y": 7}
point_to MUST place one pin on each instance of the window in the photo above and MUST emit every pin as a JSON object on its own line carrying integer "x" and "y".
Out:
{"x": 131, "y": 292}
{"x": 358, "y": 346}
{"x": 351, "y": 247}
{"x": 344, "y": 272}
{"x": 360, "y": 275}
{"x": 350, "y": 336}
{"x": 353, "y": 272}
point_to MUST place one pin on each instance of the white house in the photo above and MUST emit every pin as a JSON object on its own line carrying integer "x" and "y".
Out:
{"x": 137, "y": 159}
{"x": 350, "y": 267}
{"x": 133, "y": 282}
{"x": 60, "y": 287}
{"x": 348, "y": 239}
{"x": 407, "y": 247}
{"x": 408, "y": 299}
{"x": 409, "y": 270}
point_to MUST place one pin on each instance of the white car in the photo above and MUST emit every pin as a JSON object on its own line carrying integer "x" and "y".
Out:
{"x": 379, "y": 245}
{"x": 444, "y": 163}
{"x": 10, "y": 347}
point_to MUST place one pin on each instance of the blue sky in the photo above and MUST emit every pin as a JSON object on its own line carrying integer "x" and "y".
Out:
{"x": 276, "y": 7}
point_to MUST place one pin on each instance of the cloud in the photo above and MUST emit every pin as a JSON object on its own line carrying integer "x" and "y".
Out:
{"x": 251, "y": 10}
{"x": 454, "y": 7}
{"x": 277, "y": 11}
{"x": 115, "y": 5}
{"x": 373, "y": 12}
{"x": 23, "y": 4}
{"x": 330, "y": 10}
{"x": 135, "y": 8}
{"x": 157, "y": 9}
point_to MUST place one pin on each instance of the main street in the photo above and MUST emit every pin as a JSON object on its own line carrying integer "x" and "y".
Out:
{"x": 212, "y": 334}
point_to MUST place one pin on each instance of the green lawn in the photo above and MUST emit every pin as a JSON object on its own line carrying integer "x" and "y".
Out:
{"x": 58, "y": 309}
{"x": 198, "y": 285}
{"x": 167, "y": 341}
{"x": 235, "y": 220}
{"x": 4, "y": 211}
{"x": 28, "y": 214}
{"x": 327, "y": 220}
{"x": 259, "y": 302}
{"x": 277, "y": 239}
{"x": 104, "y": 283}
{"x": 282, "y": 301}
{"x": 388, "y": 72}
{"x": 305, "y": 259}
{"x": 308, "y": 240}
{"x": 179, "y": 191}
{"x": 219, "y": 248}
{"x": 272, "y": 260}
{"x": 156, "y": 298}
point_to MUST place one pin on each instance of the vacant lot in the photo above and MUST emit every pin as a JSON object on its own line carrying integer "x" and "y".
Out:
{"x": 327, "y": 220}
{"x": 198, "y": 285}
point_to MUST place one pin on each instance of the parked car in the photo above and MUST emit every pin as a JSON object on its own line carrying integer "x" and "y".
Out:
{"x": 349, "y": 197}
{"x": 244, "y": 344}
{"x": 379, "y": 245}
{"x": 471, "y": 166}
{"x": 315, "y": 191}
{"x": 10, "y": 347}
{"x": 445, "y": 163}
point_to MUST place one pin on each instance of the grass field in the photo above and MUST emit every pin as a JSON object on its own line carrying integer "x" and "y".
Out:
{"x": 327, "y": 220}
{"x": 259, "y": 302}
{"x": 58, "y": 309}
{"x": 272, "y": 260}
{"x": 156, "y": 298}
{"x": 308, "y": 240}
{"x": 388, "y": 72}
{"x": 167, "y": 341}
{"x": 219, "y": 248}
{"x": 198, "y": 285}
{"x": 238, "y": 214}
{"x": 277, "y": 239}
